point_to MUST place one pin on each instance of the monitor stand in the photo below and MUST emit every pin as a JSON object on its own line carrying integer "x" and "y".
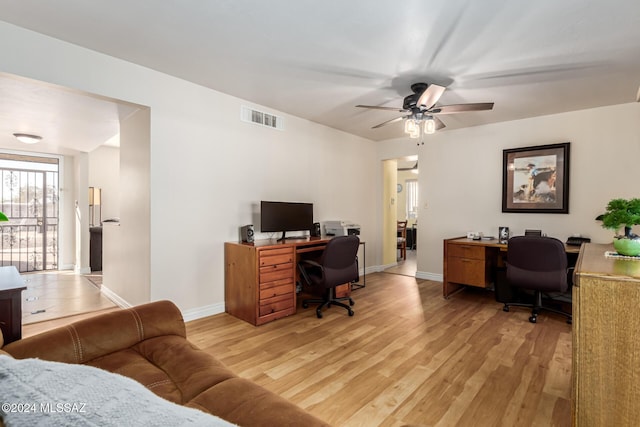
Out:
{"x": 283, "y": 238}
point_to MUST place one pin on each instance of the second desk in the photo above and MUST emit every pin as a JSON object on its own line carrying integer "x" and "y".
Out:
{"x": 469, "y": 262}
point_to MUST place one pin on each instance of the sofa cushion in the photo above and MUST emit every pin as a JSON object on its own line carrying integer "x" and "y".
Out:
{"x": 88, "y": 339}
{"x": 245, "y": 402}
{"x": 38, "y": 392}
{"x": 170, "y": 366}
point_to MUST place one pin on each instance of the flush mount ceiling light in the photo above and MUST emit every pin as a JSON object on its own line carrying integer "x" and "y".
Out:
{"x": 27, "y": 138}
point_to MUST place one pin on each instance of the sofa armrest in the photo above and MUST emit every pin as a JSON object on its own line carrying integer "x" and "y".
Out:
{"x": 97, "y": 336}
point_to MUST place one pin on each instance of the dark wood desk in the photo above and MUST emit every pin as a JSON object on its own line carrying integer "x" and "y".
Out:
{"x": 11, "y": 287}
{"x": 469, "y": 262}
{"x": 260, "y": 277}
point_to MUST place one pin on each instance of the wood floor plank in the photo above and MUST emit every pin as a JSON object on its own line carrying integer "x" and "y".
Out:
{"x": 408, "y": 356}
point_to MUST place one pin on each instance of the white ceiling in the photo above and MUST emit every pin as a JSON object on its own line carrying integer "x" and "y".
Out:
{"x": 318, "y": 59}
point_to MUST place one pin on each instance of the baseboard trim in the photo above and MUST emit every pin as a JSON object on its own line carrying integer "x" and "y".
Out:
{"x": 117, "y": 300}
{"x": 429, "y": 276}
{"x": 381, "y": 268}
{"x": 200, "y": 312}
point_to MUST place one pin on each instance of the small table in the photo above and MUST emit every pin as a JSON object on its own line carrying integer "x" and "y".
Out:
{"x": 11, "y": 287}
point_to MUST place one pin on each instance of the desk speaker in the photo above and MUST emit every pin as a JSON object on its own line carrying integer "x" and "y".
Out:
{"x": 315, "y": 230}
{"x": 246, "y": 233}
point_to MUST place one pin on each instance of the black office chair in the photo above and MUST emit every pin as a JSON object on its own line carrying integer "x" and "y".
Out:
{"x": 538, "y": 264}
{"x": 337, "y": 265}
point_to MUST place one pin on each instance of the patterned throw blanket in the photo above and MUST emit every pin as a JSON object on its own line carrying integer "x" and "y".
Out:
{"x": 35, "y": 392}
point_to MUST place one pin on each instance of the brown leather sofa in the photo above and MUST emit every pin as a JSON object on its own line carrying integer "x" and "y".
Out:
{"x": 148, "y": 344}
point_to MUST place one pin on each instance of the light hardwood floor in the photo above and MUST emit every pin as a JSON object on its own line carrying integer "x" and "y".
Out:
{"x": 56, "y": 294}
{"x": 406, "y": 267}
{"x": 407, "y": 356}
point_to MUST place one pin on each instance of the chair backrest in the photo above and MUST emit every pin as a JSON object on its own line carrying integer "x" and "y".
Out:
{"x": 402, "y": 228}
{"x": 535, "y": 262}
{"x": 339, "y": 260}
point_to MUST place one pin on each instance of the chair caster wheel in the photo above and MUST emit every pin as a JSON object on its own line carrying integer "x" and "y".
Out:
{"x": 305, "y": 305}
{"x": 505, "y": 308}
{"x": 351, "y": 313}
{"x": 351, "y": 302}
{"x": 319, "y": 314}
{"x": 533, "y": 319}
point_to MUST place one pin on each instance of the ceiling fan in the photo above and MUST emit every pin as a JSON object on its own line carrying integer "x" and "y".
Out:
{"x": 421, "y": 106}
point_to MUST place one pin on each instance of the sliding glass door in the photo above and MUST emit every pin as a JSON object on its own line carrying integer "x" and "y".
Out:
{"x": 29, "y": 197}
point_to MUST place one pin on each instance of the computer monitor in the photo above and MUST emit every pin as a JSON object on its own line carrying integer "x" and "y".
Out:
{"x": 285, "y": 216}
{"x": 533, "y": 233}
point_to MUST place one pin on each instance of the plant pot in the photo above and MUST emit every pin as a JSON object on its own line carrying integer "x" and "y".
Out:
{"x": 627, "y": 246}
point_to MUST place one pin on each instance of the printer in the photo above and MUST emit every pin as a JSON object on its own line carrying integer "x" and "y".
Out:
{"x": 341, "y": 228}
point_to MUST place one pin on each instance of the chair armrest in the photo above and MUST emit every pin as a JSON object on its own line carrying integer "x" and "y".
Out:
{"x": 311, "y": 264}
{"x": 97, "y": 336}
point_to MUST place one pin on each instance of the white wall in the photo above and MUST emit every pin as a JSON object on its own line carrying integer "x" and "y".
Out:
{"x": 460, "y": 176}
{"x": 208, "y": 170}
{"x": 104, "y": 173}
{"x": 127, "y": 248}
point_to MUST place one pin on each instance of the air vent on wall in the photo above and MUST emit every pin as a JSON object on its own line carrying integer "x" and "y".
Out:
{"x": 250, "y": 115}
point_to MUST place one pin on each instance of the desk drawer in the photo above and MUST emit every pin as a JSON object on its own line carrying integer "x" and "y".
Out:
{"x": 276, "y": 272}
{"x": 466, "y": 271}
{"x": 275, "y": 304}
{"x": 466, "y": 251}
{"x": 274, "y": 258}
{"x": 274, "y": 291}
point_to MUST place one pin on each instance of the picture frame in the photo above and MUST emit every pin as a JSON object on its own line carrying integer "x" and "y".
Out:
{"x": 536, "y": 179}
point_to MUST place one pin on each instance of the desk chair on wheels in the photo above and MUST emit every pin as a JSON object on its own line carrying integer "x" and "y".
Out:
{"x": 538, "y": 264}
{"x": 337, "y": 265}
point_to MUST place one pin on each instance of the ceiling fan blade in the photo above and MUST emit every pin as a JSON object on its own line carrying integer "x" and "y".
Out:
{"x": 439, "y": 123}
{"x": 414, "y": 167}
{"x": 388, "y": 122}
{"x": 374, "y": 107}
{"x": 430, "y": 96}
{"x": 461, "y": 108}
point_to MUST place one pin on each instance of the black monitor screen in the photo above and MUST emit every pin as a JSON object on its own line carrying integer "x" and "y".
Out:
{"x": 285, "y": 216}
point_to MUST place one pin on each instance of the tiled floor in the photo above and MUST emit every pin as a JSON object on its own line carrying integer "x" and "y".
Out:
{"x": 52, "y": 295}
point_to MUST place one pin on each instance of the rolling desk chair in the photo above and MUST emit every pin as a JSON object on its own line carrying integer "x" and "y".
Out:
{"x": 337, "y": 265}
{"x": 538, "y": 264}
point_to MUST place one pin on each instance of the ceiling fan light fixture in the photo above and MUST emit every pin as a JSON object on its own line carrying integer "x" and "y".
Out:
{"x": 27, "y": 138}
{"x": 410, "y": 126}
{"x": 429, "y": 125}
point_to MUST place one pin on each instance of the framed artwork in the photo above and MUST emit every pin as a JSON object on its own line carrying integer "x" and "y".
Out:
{"x": 536, "y": 179}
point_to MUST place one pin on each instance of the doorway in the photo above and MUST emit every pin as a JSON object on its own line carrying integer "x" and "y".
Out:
{"x": 29, "y": 196}
{"x": 406, "y": 209}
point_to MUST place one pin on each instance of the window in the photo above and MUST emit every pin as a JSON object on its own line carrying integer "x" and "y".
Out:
{"x": 411, "y": 186}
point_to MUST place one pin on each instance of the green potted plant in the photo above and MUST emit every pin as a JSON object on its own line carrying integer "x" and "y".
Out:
{"x": 3, "y": 217}
{"x": 623, "y": 213}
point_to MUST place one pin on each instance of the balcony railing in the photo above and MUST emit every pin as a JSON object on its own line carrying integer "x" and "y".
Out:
{"x": 26, "y": 247}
